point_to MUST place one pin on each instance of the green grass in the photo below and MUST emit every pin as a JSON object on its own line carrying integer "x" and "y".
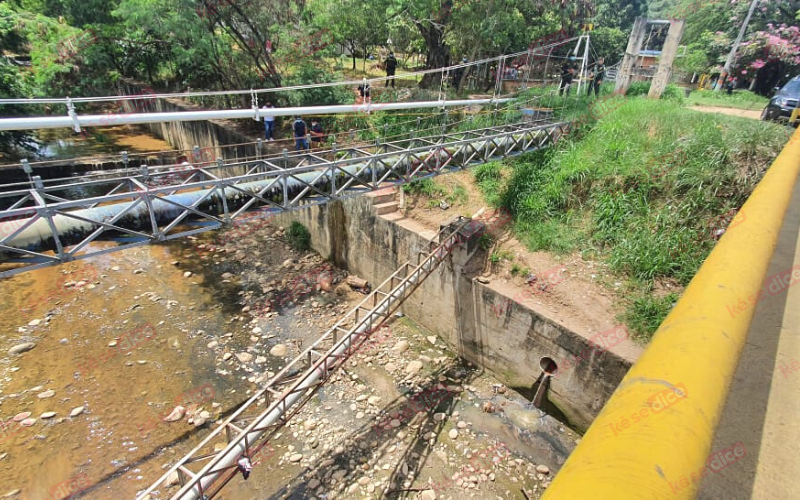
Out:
{"x": 598, "y": 192}
{"x": 740, "y": 99}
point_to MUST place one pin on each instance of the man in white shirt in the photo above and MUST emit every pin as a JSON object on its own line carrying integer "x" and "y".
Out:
{"x": 269, "y": 123}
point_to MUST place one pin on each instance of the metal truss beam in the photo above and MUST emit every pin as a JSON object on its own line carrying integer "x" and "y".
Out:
{"x": 48, "y": 225}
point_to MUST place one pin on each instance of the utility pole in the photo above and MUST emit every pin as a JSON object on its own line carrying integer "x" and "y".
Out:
{"x": 729, "y": 62}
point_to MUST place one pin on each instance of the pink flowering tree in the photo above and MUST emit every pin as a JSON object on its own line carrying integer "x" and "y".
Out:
{"x": 771, "y": 54}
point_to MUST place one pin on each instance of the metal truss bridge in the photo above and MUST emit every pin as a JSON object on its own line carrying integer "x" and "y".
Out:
{"x": 51, "y": 222}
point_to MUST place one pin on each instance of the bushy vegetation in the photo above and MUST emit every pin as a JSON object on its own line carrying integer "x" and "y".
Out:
{"x": 638, "y": 192}
{"x": 298, "y": 236}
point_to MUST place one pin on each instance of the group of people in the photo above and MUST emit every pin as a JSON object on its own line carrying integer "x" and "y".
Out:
{"x": 301, "y": 130}
{"x": 597, "y": 73}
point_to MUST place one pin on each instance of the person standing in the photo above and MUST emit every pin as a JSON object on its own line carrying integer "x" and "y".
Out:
{"x": 300, "y": 134}
{"x": 269, "y": 123}
{"x": 316, "y": 134}
{"x": 364, "y": 91}
{"x": 391, "y": 66}
{"x": 567, "y": 72}
{"x": 596, "y": 77}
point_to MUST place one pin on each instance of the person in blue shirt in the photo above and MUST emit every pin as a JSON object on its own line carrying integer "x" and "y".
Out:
{"x": 300, "y": 134}
{"x": 269, "y": 124}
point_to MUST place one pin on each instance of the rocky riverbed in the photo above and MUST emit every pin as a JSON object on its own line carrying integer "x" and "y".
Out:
{"x": 114, "y": 367}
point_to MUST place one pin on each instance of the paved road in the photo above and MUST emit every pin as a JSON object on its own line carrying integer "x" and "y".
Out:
{"x": 763, "y": 408}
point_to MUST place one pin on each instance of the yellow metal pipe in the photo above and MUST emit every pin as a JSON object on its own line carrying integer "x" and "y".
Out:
{"x": 654, "y": 436}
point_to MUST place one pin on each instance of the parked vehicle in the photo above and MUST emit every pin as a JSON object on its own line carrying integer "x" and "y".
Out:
{"x": 784, "y": 102}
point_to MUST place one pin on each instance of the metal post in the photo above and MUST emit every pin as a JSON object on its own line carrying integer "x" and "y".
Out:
{"x": 334, "y": 167}
{"x": 729, "y": 61}
{"x": 26, "y": 167}
{"x": 125, "y": 161}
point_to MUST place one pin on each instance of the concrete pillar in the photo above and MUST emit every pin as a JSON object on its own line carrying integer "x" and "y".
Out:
{"x": 631, "y": 53}
{"x": 668, "y": 53}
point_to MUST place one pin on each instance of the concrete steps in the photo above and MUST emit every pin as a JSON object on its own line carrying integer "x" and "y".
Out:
{"x": 386, "y": 208}
{"x": 385, "y": 201}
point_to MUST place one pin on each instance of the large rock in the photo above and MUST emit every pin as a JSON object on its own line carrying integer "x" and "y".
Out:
{"x": 20, "y": 348}
{"x": 278, "y": 350}
{"x": 176, "y": 414}
{"x": 244, "y": 357}
{"x": 400, "y": 347}
{"x": 413, "y": 367}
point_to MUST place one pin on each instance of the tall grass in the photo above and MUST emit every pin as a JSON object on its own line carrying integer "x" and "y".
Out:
{"x": 642, "y": 188}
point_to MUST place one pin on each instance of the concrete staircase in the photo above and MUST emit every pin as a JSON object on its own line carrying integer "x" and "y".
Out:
{"x": 385, "y": 201}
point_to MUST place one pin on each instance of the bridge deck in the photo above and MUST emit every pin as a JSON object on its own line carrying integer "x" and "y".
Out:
{"x": 763, "y": 405}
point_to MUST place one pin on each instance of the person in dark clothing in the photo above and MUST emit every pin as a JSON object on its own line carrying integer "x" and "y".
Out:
{"x": 364, "y": 91}
{"x": 316, "y": 134}
{"x": 492, "y": 78}
{"x": 567, "y": 71}
{"x": 300, "y": 134}
{"x": 391, "y": 66}
{"x": 596, "y": 77}
{"x": 730, "y": 85}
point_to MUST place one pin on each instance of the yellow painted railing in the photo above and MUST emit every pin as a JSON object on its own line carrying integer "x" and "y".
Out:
{"x": 653, "y": 437}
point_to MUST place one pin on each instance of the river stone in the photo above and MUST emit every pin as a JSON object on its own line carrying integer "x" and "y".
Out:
{"x": 461, "y": 425}
{"x": 28, "y": 422}
{"x": 296, "y": 457}
{"x": 261, "y": 360}
{"x": 19, "y": 417}
{"x": 543, "y": 469}
{"x": 47, "y": 394}
{"x": 427, "y": 495}
{"x": 360, "y": 398}
{"x": 35, "y": 322}
{"x": 390, "y": 367}
{"x": 439, "y": 416}
{"x": 47, "y": 414}
{"x": 244, "y": 357}
{"x": 310, "y": 424}
{"x": 176, "y": 414}
{"x": 373, "y": 400}
{"x": 187, "y": 274}
{"x": 453, "y": 434}
{"x": 313, "y": 484}
{"x": 212, "y": 344}
{"x": 77, "y": 411}
{"x": 432, "y": 339}
{"x": 278, "y": 350}
{"x": 400, "y": 347}
{"x": 226, "y": 356}
{"x": 413, "y": 367}
{"x": 20, "y": 348}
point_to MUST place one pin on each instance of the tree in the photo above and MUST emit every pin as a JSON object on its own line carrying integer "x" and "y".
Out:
{"x": 358, "y": 25}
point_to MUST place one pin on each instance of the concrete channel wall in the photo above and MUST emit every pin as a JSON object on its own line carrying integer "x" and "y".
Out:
{"x": 209, "y": 135}
{"x": 462, "y": 311}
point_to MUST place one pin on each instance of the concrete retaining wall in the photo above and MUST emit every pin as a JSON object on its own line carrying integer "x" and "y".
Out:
{"x": 483, "y": 325}
{"x": 209, "y": 135}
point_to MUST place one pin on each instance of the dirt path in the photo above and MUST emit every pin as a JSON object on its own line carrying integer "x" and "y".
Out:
{"x": 745, "y": 113}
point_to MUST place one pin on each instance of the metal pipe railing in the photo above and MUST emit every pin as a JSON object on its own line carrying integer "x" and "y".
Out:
{"x": 41, "y": 122}
{"x": 659, "y": 425}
